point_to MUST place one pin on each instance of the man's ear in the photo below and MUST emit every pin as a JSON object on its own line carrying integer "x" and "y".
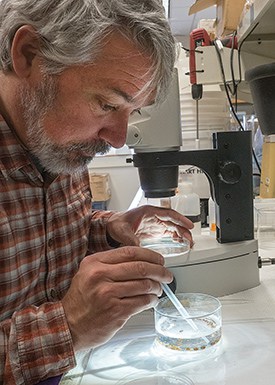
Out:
{"x": 24, "y": 50}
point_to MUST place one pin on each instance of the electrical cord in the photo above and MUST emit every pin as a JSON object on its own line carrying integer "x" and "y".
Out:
{"x": 239, "y": 82}
{"x": 235, "y": 84}
{"x": 226, "y": 88}
{"x": 239, "y": 51}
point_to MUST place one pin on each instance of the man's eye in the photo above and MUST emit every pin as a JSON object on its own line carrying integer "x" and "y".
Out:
{"x": 107, "y": 107}
{"x": 137, "y": 111}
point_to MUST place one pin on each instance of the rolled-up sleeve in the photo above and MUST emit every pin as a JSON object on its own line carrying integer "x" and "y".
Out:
{"x": 98, "y": 240}
{"x": 35, "y": 344}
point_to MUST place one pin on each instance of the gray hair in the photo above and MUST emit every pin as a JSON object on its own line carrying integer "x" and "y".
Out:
{"x": 71, "y": 32}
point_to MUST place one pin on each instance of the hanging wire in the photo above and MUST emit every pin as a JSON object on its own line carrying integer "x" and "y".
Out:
{"x": 227, "y": 90}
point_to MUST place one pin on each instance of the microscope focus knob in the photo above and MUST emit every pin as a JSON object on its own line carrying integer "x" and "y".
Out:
{"x": 230, "y": 172}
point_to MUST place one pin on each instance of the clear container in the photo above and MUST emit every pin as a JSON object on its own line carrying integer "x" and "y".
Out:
{"x": 155, "y": 379}
{"x": 175, "y": 334}
{"x": 266, "y": 228}
{"x": 167, "y": 246}
{"x": 187, "y": 203}
{"x": 212, "y": 216}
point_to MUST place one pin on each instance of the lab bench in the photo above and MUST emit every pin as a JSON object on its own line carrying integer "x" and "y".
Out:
{"x": 245, "y": 355}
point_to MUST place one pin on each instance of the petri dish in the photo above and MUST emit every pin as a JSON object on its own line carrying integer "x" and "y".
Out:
{"x": 155, "y": 379}
{"x": 167, "y": 246}
{"x": 192, "y": 340}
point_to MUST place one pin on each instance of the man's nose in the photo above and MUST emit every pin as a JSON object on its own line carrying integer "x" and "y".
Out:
{"x": 115, "y": 131}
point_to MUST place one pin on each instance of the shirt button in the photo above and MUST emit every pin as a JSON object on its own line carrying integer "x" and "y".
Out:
{"x": 50, "y": 243}
{"x": 53, "y": 294}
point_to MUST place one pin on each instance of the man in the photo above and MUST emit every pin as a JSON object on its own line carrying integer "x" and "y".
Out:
{"x": 72, "y": 72}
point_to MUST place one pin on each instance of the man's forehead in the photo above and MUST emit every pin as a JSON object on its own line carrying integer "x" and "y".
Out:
{"x": 144, "y": 97}
{"x": 118, "y": 48}
{"x": 149, "y": 96}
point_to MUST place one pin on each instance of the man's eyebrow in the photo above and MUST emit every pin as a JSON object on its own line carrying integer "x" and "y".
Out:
{"x": 128, "y": 98}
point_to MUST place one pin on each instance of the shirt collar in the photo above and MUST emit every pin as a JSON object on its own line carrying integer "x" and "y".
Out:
{"x": 13, "y": 155}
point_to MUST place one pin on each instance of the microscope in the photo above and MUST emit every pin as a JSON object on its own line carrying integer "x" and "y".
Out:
{"x": 217, "y": 266}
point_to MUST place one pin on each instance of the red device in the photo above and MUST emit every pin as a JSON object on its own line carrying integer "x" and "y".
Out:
{"x": 198, "y": 38}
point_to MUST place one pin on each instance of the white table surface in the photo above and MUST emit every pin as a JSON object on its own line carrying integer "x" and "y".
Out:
{"x": 246, "y": 355}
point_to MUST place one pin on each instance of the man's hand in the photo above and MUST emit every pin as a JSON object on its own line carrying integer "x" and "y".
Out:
{"x": 108, "y": 289}
{"x": 129, "y": 227}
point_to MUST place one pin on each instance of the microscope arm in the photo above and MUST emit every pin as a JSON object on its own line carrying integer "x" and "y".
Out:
{"x": 228, "y": 167}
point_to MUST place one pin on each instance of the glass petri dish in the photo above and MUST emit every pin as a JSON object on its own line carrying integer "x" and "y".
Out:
{"x": 155, "y": 379}
{"x": 195, "y": 339}
{"x": 167, "y": 246}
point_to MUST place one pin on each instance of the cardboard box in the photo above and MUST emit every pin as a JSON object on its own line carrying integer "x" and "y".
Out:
{"x": 100, "y": 187}
{"x": 210, "y": 26}
{"x": 267, "y": 185}
{"x": 228, "y": 14}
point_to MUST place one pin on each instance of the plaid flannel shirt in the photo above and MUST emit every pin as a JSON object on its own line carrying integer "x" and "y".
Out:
{"x": 46, "y": 229}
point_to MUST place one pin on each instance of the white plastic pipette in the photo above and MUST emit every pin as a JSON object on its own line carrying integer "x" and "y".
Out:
{"x": 180, "y": 308}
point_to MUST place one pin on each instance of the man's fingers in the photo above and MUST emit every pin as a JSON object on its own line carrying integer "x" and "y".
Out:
{"x": 129, "y": 271}
{"x": 133, "y": 288}
{"x": 127, "y": 254}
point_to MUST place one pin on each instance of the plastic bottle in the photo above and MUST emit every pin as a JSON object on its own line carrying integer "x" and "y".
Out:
{"x": 187, "y": 203}
{"x": 212, "y": 216}
{"x": 159, "y": 202}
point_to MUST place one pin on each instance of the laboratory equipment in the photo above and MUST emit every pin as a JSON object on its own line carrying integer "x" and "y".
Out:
{"x": 218, "y": 266}
{"x": 193, "y": 338}
{"x": 167, "y": 246}
{"x": 211, "y": 216}
{"x": 266, "y": 228}
{"x": 187, "y": 202}
{"x": 228, "y": 166}
{"x": 182, "y": 310}
{"x": 167, "y": 251}
{"x": 249, "y": 70}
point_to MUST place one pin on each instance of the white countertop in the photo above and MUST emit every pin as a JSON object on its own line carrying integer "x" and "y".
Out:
{"x": 245, "y": 356}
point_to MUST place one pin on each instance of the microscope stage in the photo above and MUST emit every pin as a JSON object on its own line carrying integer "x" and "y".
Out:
{"x": 215, "y": 268}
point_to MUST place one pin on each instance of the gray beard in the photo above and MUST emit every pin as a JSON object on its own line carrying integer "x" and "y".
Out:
{"x": 54, "y": 158}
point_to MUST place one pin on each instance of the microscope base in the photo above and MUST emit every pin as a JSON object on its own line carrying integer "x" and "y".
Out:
{"x": 216, "y": 269}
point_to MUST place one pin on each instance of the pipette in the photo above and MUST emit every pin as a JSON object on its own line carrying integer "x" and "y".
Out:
{"x": 181, "y": 309}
